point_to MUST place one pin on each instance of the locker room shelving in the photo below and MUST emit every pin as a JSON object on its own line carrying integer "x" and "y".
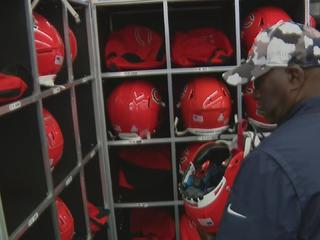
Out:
{"x": 89, "y": 165}
{"x": 28, "y": 186}
{"x": 167, "y": 16}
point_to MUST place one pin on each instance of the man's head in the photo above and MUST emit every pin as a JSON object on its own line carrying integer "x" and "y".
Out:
{"x": 283, "y": 64}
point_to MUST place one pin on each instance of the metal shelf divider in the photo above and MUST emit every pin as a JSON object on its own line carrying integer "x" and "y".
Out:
{"x": 102, "y": 132}
{"x": 102, "y": 147}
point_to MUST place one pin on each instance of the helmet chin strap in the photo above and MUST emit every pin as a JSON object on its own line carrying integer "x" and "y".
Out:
{"x": 66, "y": 4}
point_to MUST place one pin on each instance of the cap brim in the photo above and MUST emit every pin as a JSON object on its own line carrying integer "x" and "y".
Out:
{"x": 244, "y": 73}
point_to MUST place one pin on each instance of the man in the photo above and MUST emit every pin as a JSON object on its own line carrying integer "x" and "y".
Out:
{"x": 280, "y": 179}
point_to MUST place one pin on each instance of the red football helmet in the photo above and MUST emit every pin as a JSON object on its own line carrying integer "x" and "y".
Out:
{"x": 11, "y": 87}
{"x": 65, "y": 219}
{"x": 55, "y": 139}
{"x": 260, "y": 19}
{"x": 134, "y": 47}
{"x": 134, "y": 109}
{"x": 203, "y": 46}
{"x": 50, "y": 49}
{"x": 188, "y": 229}
{"x": 251, "y": 109}
{"x": 73, "y": 45}
{"x": 207, "y": 181}
{"x": 205, "y": 106}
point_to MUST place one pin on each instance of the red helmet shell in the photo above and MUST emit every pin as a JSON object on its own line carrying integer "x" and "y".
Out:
{"x": 134, "y": 47}
{"x": 251, "y": 109}
{"x": 260, "y": 19}
{"x": 204, "y": 46}
{"x": 65, "y": 219}
{"x": 205, "y": 106}
{"x": 188, "y": 229}
{"x": 54, "y": 138}
{"x": 11, "y": 88}
{"x": 207, "y": 211}
{"x": 73, "y": 45}
{"x": 189, "y": 154}
{"x": 134, "y": 109}
{"x": 49, "y": 46}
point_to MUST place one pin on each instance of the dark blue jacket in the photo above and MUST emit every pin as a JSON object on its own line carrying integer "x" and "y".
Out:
{"x": 277, "y": 181}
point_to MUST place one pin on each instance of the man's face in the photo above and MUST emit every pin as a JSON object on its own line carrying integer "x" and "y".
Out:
{"x": 272, "y": 94}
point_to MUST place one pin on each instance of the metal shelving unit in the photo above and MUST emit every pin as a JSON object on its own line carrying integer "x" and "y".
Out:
{"x": 86, "y": 171}
{"x": 28, "y": 186}
{"x": 105, "y": 16}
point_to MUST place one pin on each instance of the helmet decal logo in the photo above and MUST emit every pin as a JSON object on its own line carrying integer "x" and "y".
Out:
{"x": 134, "y": 129}
{"x": 58, "y": 60}
{"x": 205, "y": 221}
{"x": 139, "y": 101}
{"x": 211, "y": 100}
{"x": 197, "y": 118}
{"x": 220, "y": 118}
{"x": 249, "y": 21}
{"x": 139, "y": 38}
{"x": 117, "y": 128}
{"x": 155, "y": 96}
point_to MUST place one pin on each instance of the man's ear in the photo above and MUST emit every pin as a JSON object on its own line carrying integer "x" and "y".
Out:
{"x": 296, "y": 77}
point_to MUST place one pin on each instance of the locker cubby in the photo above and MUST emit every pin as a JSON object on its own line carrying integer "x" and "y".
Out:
{"x": 180, "y": 81}
{"x": 42, "y": 228}
{"x": 160, "y": 83}
{"x": 123, "y": 216}
{"x": 87, "y": 125}
{"x": 93, "y": 181}
{"x": 72, "y": 197}
{"x": 52, "y": 11}
{"x": 295, "y": 9}
{"x": 60, "y": 107}
{"x": 22, "y": 169}
{"x": 15, "y": 44}
{"x": 114, "y": 18}
{"x": 136, "y": 180}
{"x": 94, "y": 190}
{"x": 185, "y": 16}
{"x": 81, "y": 64}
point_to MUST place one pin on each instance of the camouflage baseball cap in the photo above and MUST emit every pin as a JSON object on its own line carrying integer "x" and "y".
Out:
{"x": 281, "y": 45}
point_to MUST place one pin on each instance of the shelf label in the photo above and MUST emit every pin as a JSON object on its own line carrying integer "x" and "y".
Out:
{"x": 69, "y": 180}
{"x": 33, "y": 219}
{"x": 56, "y": 90}
{"x": 92, "y": 154}
{"x": 202, "y": 69}
{"x": 85, "y": 80}
{"x": 131, "y": 73}
{"x": 135, "y": 141}
{"x": 143, "y": 205}
{"x": 14, "y": 106}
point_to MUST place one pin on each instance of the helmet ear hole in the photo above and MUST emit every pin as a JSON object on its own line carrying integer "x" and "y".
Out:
{"x": 261, "y": 22}
{"x": 190, "y": 94}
